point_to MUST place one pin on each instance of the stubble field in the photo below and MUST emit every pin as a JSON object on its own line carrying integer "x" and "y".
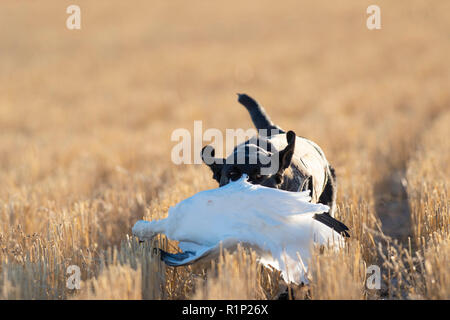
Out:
{"x": 86, "y": 118}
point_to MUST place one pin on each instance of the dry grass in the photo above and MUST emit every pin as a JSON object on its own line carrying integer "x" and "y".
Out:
{"x": 86, "y": 118}
{"x": 238, "y": 276}
{"x": 429, "y": 183}
{"x": 132, "y": 271}
{"x": 421, "y": 268}
{"x": 349, "y": 285}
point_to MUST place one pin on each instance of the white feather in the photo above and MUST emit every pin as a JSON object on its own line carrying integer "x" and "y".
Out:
{"x": 277, "y": 223}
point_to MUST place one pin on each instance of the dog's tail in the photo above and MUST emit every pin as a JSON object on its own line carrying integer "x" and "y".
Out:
{"x": 259, "y": 117}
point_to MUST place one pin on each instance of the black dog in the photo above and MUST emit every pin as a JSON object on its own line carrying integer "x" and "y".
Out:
{"x": 300, "y": 164}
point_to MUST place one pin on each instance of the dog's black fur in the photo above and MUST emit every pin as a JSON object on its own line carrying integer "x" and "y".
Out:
{"x": 294, "y": 172}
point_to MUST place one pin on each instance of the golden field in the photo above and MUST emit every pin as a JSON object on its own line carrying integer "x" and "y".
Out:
{"x": 86, "y": 118}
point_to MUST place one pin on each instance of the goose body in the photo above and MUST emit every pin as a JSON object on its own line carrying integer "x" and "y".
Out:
{"x": 280, "y": 225}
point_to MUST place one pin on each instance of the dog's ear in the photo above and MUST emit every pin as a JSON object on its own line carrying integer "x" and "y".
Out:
{"x": 215, "y": 164}
{"x": 285, "y": 155}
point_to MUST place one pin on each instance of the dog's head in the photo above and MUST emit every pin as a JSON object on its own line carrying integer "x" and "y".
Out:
{"x": 261, "y": 167}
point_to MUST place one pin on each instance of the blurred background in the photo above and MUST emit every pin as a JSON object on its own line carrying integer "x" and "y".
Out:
{"x": 86, "y": 115}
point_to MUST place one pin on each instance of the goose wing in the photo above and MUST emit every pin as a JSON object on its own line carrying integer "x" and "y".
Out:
{"x": 193, "y": 252}
{"x": 185, "y": 257}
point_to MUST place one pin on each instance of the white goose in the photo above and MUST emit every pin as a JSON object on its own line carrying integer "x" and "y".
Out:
{"x": 280, "y": 225}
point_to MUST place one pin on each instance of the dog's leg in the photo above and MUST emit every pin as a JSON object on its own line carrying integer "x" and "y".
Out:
{"x": 259, "y": 117}
{"x": 328, "y": 195}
